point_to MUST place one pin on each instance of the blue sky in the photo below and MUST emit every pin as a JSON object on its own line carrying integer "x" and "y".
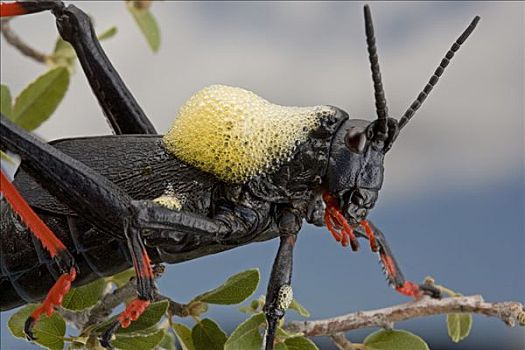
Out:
{"x": 453, "y": 199}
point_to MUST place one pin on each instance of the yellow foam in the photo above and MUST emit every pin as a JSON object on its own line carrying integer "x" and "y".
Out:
{"x": 235, "y": 134}
{"x": 169, "y": 201}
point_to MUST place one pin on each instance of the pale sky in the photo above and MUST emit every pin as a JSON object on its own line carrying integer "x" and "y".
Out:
{"x": 469, "y": 132}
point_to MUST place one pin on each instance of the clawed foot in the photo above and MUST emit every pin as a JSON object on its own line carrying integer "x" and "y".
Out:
{"x": 54, "y": 298}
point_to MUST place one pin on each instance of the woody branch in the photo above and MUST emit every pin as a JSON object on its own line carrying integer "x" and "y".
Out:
{"x": 508, "y": 312}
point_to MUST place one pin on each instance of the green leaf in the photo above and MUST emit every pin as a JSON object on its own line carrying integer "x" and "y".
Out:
{"x": 280, "y": 346}
{"x": 39, "y": 99}
{"x": 235, "y": 290}
{"x": 83, "y": 297}
{"x": 138, "y": 342}
{"x": 299, "y": 308}
{"x": 63, "y": 49}
{"x": 49, "y": 331}
{"x": 63, "y": 55}
{"x": 302, "y": 343}
{"x": 183, "y": 334}
{"x": 168, "y": 342}
{"x": 255, "y": 306}
{"x": 76, "y": 345}
{"x": 107, "y": 34}
{"x": 207, "y": 335}
{"x": 459, "y": 326}
{"x": 6, "y": 103}
{"x": 145, "y": 322}
{"x": 147, "y": 24}
{"x": 281, "y": 334}
{"x": 247, "y": 336}
{"x": 394, "y": 340}
{"x": 121, "y": 278}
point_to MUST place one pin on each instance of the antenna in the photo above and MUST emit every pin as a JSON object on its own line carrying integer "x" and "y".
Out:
{"x": 439, "y": 71}
{"x": 381, "y": 108}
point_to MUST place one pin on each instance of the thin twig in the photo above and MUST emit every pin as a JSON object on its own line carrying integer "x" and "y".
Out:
{"x": 508, "y": 312}
{"x": 12, "y": 38}
{"x": 341, "y": 342}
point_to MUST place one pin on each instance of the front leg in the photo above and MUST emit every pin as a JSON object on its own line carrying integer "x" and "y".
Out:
{"x": 146, "y": 288}
{"x": 391, "y": 268}
{"x": 279, "y": 294}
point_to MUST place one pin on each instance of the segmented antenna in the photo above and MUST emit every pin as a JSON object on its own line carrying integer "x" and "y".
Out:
{"x": 439, "y": 71}
{"x": 381, "y": 108}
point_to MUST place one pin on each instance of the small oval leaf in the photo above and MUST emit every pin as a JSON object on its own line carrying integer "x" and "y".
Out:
{"x": 282, "y": 335}
{"x": 6, "y": 103}
{"x": 63, "y": 49}
{"x": 247, "y": 336}
{"x": 107, "y": 34}
{"x": 207, "y": 335}
{"x": 300, "y": 343}
{"x": 168, "y": 342}
{"x": 39, "y": 99}
{"x": 121, "y": 278}
{"x": 17, "y": 320}
{"x": 394, "y": 340}
{"x": 235, "y": 290}
{"x": 49, "y": 331}
{"x": 183, "y": 334}
{"x": 83, "y": 297}
{"x": 138, "y": 342}
{"x": 459, "y": 326}
{"x": 147, "y": 24}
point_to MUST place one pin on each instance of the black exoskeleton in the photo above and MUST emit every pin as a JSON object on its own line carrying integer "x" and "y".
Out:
{"x": 139, "y": 198}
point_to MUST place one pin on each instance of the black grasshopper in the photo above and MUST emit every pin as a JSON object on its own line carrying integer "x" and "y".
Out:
{"x": 233, "y": 169}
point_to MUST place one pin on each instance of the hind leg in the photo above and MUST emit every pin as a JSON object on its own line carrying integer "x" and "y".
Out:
{"x": 57, "y": 250}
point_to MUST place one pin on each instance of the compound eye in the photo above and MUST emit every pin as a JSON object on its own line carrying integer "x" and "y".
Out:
{"x": 355, "y": 140}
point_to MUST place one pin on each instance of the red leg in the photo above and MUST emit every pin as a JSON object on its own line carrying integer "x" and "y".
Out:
{"x": 51, "y": 243}
{"x": 133, "y": 312}
{"x": 11, "y": 9}
{"x": 145, "y": 286}
{"x": 393, "y": 273}
{"x": 8, "y": 9}
{"x": 54, "y": 298}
